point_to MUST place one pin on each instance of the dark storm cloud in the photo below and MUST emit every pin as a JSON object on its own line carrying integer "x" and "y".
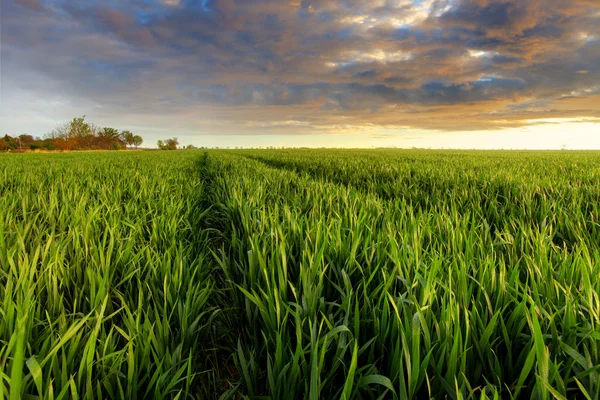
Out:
{"x": 457, "y": 64}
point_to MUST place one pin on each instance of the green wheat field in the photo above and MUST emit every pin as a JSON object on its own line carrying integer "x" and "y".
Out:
{"x": 300, "y": 274}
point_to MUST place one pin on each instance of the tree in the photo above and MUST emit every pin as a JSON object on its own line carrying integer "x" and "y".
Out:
{"x": 11, "y": 142}
{"x": 4, "y": 145}
{"x": 25, "y": 139}
{"x": 168, "y": 144}
{"x": 73, "y": 134}
{"x": 110, "y": 138}
{"x": 110, "y": 133}
{"x": 127, "y": 137}
{"x": 81, "y": 133}
{"x": 137, "y": 141}
{"x": 61, "y": 131}
{"x": 172, "y": 144}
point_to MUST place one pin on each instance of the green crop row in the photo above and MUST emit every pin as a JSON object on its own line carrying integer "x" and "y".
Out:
{"x": 104, "y": 287}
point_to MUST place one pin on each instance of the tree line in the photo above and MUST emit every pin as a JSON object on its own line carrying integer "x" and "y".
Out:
{"x": 77, "y": 134}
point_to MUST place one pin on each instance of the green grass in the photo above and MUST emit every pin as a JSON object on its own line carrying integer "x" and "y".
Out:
{"x": 300, "y": 274}
{"x": 104, "y": 285}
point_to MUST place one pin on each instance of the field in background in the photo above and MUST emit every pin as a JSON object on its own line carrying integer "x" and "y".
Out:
{"x": 300, "y": 274}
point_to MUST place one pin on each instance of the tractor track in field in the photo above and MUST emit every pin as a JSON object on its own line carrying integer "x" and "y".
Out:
{"x": 496, "y": 203}
{"x": 216, "y": 224}
{"x": 281, "y": 165}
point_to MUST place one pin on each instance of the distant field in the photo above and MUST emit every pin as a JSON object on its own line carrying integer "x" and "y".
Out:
{"x": 285, "y": 274}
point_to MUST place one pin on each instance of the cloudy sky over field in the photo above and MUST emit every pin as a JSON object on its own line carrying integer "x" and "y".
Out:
{"x": 440, "y": 73}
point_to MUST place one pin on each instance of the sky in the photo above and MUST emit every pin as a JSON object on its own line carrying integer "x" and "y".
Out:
{"x": 308, "y": 73}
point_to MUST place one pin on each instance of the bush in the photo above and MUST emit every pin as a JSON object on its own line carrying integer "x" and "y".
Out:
{"x": 48, "y": 145}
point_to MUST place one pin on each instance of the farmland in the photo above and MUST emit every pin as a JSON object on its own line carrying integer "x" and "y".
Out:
{"x": 401, "y": 274}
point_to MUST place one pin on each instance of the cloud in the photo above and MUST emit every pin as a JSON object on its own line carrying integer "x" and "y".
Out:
{"x": 301, "y": 66}
{"x": 35, "y": 5}
{"x": 172, "y": 3}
